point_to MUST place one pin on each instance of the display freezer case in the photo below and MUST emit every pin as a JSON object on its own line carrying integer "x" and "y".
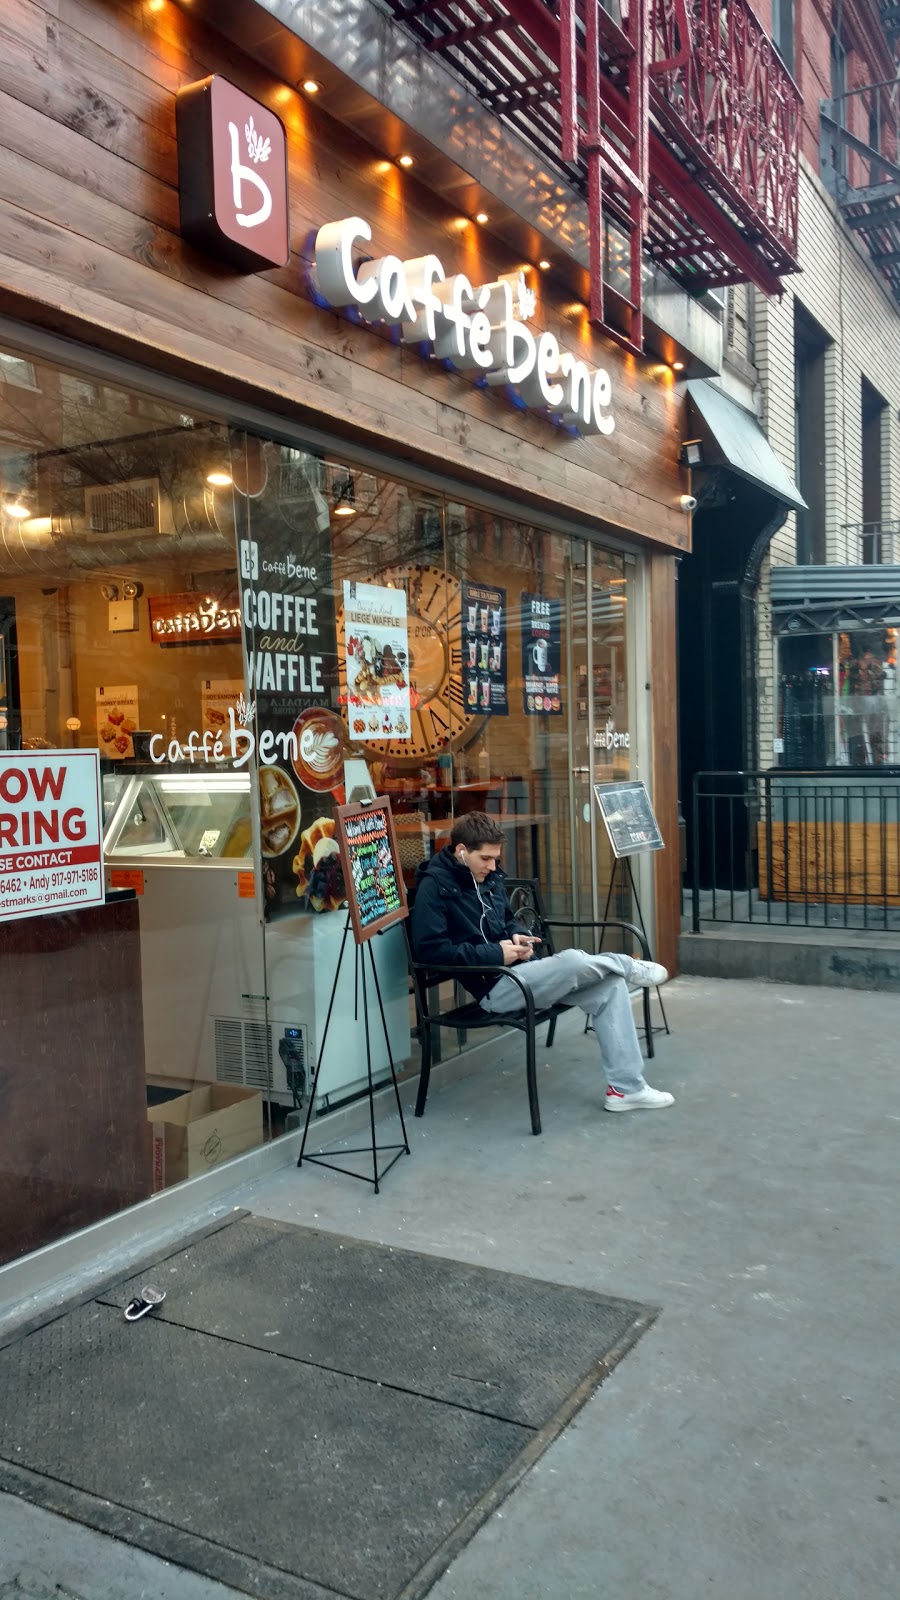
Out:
{"x": 196, "y": 816}
{"x": 226, "y": 998}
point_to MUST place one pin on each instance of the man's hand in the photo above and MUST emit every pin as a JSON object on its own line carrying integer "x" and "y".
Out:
{"x": 519, "y": 948}
{"x": 513, "y": 951}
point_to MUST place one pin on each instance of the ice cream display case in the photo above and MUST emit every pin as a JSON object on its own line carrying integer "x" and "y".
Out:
{"x": 192, "y": 816}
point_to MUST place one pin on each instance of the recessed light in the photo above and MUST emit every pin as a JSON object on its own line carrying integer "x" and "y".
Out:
{"x": 219, "y": 480}
{"x": 404, "y": 161}
{"x": 311, "y": 86}
{"x": 481, "y": 216}
{"x": 677, "y": 366}
{"x": 544, "y": 266}
{"x": 14, "y": 508}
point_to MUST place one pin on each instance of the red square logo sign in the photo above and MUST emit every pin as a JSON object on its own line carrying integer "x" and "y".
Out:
{"x": 232, "y": 175}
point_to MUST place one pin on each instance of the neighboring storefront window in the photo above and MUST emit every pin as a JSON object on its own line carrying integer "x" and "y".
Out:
{"x": 249, "y": 632}
{"x": 840, "y": 704}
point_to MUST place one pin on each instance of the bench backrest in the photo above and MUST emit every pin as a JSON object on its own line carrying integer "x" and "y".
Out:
{"x": 529, "y": 908}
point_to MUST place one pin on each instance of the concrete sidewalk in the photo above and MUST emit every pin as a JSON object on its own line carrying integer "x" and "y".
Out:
{"x": 748, "y": 1447}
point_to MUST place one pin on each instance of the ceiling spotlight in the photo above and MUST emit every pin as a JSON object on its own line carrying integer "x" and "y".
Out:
{"x": 677, "y": 366}
{"x": 481, "y": 216}
{"x": 544, "y": 266}
{"x": 311, "y": 86}
{"x": 15, "y": 508}
{"x": 219, "y": 480}
{"x": 405, "y": 161}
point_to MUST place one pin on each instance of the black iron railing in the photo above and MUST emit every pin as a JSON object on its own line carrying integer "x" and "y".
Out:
{"x": 796, "y": 847}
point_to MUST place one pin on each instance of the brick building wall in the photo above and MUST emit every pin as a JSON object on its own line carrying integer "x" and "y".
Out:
{"x": 840, "y": 290}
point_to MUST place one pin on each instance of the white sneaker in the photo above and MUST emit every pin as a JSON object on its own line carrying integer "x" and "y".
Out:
{"x": 645, "y": 1099}
{"x": 649, "y": 974}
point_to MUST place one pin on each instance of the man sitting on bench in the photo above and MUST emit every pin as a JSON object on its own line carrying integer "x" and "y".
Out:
{"x": 461, "y": 916}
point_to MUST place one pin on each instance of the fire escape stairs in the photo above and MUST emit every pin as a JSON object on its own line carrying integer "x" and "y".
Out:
{"x": 871, "y": 209}
{"x": 676, "y": 119}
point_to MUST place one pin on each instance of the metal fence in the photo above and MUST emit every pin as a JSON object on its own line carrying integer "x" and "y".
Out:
{"x": 812, "y": 848}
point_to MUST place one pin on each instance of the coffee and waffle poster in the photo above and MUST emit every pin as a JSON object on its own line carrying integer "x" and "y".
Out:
{"x": 292, "y": 710}
{"x": 541, "y": 652}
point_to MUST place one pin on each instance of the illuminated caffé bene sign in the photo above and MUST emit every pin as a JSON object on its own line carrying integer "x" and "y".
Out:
{"x": 473, "y": 328}
{"x": 233, "y": 188}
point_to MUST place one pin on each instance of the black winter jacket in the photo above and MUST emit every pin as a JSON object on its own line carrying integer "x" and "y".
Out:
{"x": 458, "y": 922}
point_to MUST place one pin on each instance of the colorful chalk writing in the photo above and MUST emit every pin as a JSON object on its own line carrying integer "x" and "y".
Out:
{"x": 376, "y": 894}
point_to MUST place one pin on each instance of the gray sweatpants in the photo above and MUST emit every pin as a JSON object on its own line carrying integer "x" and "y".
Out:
{"x": 598, "y": 985}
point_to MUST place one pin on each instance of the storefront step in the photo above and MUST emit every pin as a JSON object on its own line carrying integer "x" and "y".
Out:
{"x": 831, "y": 957}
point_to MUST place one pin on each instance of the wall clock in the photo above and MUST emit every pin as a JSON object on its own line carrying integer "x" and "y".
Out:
{"x": 440, "y": 717}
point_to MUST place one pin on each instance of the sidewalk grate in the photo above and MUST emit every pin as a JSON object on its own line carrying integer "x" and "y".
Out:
{"x": 305, "y": 1416}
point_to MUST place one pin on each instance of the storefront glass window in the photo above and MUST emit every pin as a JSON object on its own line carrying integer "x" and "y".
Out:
{"x": 839, "y": 699}
{"x": 250, "y": 631}
{"x": 120, "y": 631}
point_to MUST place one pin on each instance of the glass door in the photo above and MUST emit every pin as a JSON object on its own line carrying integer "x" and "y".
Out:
{"x": 601, "y": 724}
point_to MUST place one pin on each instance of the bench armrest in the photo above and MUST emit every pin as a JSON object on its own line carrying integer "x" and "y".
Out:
{"x": 587, "y": 922}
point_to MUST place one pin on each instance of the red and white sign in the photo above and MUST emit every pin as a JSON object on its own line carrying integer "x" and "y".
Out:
{"x": 51, "y": 849}
{"x": 232, "y": 175}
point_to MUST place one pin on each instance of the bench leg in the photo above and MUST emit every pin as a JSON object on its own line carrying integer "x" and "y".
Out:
{"x": 531, "y": 1074}
{"x": 425, "y": 1072}
{"x": 648, "y": 1026}
{"x": 551, "y": 1032}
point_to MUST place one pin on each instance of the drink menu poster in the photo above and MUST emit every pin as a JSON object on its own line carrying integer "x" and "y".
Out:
{"x": 541, "y": 652}
{"x": 484, "y": 650}
{"x": 373, "y": 880}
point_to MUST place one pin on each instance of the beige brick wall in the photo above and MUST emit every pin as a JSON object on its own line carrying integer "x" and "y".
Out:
{"x": 841, "y": 291}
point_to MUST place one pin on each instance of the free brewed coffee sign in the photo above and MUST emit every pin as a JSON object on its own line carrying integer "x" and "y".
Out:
{"x": 232, "y": 175}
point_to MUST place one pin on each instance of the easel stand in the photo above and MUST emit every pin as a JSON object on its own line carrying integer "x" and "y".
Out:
{"x": 322, "y": 1158}
{"x": 628, "y": 876}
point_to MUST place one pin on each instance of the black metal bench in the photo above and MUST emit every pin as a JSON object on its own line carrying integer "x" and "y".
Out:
{"x": 527, "y": 902}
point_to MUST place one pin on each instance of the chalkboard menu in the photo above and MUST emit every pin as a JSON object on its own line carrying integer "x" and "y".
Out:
{"x": 376, "y": 893}
{"x": 629, "y": 818}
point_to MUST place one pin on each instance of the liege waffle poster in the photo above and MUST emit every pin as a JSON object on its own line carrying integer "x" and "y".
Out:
{"x": 376, "y": 653}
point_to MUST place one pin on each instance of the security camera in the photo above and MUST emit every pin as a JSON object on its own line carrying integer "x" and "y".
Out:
{"x": 687, "y": 503}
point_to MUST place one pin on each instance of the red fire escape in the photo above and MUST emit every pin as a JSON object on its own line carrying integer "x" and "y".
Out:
{"x": 675, "y": 118}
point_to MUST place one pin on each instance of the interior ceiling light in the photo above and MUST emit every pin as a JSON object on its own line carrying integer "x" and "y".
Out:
{"x": 481, "y": 216}
{"x": 405, "y": 161}
{"x": 677, "y": 366}
{"x": 15, "y": 508}
{"x": 544, "y": 266}
{"x": 219, "y": 480}
{"x": 311, "y": 86}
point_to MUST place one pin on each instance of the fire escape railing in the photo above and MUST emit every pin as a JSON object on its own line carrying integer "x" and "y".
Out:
{"x": 675, "y": 118}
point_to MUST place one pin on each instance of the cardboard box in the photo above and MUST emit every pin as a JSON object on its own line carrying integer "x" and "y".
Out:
{"x": 201, "y": 1129}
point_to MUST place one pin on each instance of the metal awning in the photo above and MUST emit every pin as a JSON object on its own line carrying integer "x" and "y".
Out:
{"x": 834, "y": 598}
{"x": 733, "y": 438}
